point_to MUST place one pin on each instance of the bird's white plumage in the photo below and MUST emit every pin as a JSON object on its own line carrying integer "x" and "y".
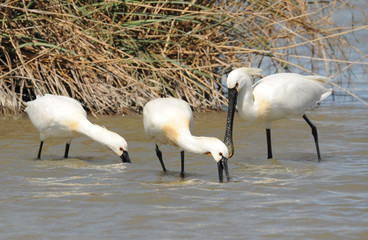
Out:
{"x": 169, "y": 121}
{"x": 277, "y": 96}
{"x": 274, "y": 97}
{"x": 64, "y": 117}
{"x": 160, "y": 116}
{"x": 54, "y": 116}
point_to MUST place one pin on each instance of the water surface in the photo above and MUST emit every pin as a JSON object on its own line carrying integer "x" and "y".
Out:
{"x": 92, "y": 195}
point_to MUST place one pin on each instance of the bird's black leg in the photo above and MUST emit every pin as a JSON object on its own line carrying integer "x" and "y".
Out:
{"x": 182, "y": 164}
{"x": 269, "y": 147}
{"x": 315, "y": 135}
{"x": 39, "y": 150}
{"x": 159, "y": 155}
{"x": 67, "y": 146}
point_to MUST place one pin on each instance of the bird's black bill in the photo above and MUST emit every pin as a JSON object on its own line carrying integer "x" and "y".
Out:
{"x": 125, "y": 157}
{"x": 232, "y": 95}
{"x": 222, "y": 165}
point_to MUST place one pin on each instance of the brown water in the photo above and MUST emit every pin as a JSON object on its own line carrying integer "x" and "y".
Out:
{"x": 93, "y": 195}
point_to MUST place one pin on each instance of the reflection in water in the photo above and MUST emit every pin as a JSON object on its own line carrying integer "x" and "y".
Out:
{"x": 94, "y": 195}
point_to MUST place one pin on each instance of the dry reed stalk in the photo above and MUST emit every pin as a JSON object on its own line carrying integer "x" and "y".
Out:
{"x": 114, "y": 56}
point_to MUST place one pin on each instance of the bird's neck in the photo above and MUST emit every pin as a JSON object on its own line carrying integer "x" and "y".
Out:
{"x": 245, "y": 102}
{"x": 190, "y": 143}
{"x": 95, "y": 132}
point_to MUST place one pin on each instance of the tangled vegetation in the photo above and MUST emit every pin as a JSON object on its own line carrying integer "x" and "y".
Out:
{"x": 115, "y": 55}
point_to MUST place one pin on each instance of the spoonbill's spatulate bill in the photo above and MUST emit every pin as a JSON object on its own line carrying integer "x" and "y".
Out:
{"x": 169, "y": 121}
{"x": 274, "y": 97}
{"x": 64, "y": 117}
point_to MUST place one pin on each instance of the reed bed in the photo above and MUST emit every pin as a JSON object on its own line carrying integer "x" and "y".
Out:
{"x": 114, "y": 56}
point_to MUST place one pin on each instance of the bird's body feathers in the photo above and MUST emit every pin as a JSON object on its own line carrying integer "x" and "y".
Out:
{"x": 55, "y": 116}
{"x": 282, "y": 95}
{"x": 166, "y": 119}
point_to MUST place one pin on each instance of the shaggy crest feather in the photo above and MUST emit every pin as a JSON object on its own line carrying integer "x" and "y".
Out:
{"x": 320, "y": 79}
{"x": 251, "y": 71}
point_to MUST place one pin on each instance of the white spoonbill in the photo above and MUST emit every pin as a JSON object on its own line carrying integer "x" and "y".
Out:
{"x": 169, "y": 121}
{"x": 64, "y": 117}
{"x": 274, "y": 97}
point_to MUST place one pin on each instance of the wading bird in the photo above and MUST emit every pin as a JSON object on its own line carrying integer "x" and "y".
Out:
{"x": 274, "y": 97}
{"x": 169, "y": 121}
{"x": 64, "y": 117}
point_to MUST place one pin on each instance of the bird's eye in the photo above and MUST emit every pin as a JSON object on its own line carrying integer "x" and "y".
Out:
{"x": 220, "y": 153}
{"x": 121, "y": 149}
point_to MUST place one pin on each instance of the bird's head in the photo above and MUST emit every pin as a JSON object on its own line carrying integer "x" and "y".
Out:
{"x": 119, "y": 146}
{"x": 219, "y": 152}
{"x": 217, "y": 149}
{"x": 240, "y": 76}
{"x": 238, "y": 79}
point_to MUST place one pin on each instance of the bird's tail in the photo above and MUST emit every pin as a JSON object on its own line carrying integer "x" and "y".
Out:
{"x": 326, "y": 94}
{"x": 323, "y": 81}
